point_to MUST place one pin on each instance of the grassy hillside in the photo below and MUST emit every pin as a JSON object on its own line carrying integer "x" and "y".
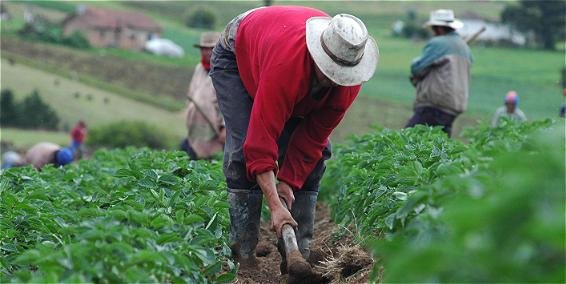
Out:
{"x": 372, "y": 11}
{"x": 533, "y": 74}
{"x": 24, "y": 139}
{"x": 138, "y": 79}
{"x": 102, "y": 107}
{"x": 57, "y": 10}
{"x": 385, "y": 100}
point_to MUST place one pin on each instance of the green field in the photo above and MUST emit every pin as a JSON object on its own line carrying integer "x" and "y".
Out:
{"x": 534, "y": 74}
{"x": 386, "y": 100}
{"x": 26, "y": 138}
{"x": 102, "y": 107}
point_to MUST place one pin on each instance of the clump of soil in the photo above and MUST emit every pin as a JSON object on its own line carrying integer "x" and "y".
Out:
{"x": 333, "y": 259}
{"x": 349, "y": 263}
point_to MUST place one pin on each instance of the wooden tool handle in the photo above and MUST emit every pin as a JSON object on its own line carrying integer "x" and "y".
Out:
{"x": 475, "y": 35}
{"x": 288, "y": 235}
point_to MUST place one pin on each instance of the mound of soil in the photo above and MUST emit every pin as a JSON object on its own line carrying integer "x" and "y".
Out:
{"x": 335, "y": 259}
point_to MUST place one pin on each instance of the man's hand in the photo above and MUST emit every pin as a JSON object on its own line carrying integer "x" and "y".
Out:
{"x": 279, "y": 217}
{"x": 279, "y": 214}
{"x": 286, "y": 193}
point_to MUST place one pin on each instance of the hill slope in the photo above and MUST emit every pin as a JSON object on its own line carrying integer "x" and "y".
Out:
{"x": 102, "y": 107}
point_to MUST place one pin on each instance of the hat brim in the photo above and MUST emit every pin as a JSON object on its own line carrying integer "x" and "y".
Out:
{"x": 340, "y": 74}
{"x": 456, "y": 24}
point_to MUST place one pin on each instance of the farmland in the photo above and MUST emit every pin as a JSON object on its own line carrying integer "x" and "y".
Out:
{"x": 95, "y": 106}
{"x": 62, "y": 96}
{"x": 385, "y": 100}
{"x": 160, "y": 86}
{"x": 162, "y": 218}
{"x": 434, "y": 209}
{"x": 533, "y": 74}
{"x": 123, "y": 216}
{"x": 396, "y": 205}
{"x": 26, "y": 138}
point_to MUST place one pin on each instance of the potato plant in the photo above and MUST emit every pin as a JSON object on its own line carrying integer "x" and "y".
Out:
{"x": 124, "y": 216}
{"x": 434, "y": 209}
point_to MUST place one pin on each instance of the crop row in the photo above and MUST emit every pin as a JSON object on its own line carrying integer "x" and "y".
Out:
{"x": 123, "y": 216}
{"x": 434, "y": 209}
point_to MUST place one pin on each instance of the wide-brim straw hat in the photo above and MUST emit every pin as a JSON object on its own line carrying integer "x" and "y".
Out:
{"x": 342, "y": 48}
{"x": 208, "y": 40}
{"x": 444, "y": 18}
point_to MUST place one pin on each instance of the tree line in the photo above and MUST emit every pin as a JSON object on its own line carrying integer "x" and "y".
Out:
{"x": 30, "y": 113}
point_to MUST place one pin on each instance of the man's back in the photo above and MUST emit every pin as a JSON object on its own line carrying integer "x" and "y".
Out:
{"x": 203, "y": 117}
{"x": 274, "y": 38}
{"x": 41, "y": 154}
{"x": 446, "y": 85}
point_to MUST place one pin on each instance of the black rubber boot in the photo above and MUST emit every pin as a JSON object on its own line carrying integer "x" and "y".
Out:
{"x": 303, "y": 211}
{"x": 245, "y": 213}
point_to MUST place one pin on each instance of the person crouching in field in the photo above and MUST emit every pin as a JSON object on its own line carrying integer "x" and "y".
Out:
{"x": 509, "y": 111}
{"x": 45, "y": 153}
{"x": 205, "y": 125}
{"x": 284, "y": 78}
{"x": 441, "y": 74}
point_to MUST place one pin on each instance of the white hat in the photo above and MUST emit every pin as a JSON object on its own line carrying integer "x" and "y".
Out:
{"x": 342, "y": 48}
{"x": 444, "y": 17}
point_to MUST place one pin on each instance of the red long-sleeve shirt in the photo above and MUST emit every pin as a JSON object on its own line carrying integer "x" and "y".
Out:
{"x": 78, "y": 134}
{"x": 276, "y": 68}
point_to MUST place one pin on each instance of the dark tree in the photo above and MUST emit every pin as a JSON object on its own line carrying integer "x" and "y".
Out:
{"x": 37, "y": 114}
{"x": 201, "y": 18}
{"x": 546, "y": 19}
{"x": 8, "y": 109}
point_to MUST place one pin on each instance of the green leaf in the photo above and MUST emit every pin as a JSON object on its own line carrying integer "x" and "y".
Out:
{"x": 192, "y": 219}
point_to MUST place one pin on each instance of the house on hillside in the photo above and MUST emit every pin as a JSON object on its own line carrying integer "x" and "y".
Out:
{"x": 112, "y": 28}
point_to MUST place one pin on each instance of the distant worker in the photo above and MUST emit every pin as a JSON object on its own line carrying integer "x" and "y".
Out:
{"x": 11, "y": 159}
{"x": 441, "y": 74}
{"x": 45, "y": 153}
{"x": 78, "y": 135}
{"x": 205, "y": 125}
{"x": 510, "y": 110}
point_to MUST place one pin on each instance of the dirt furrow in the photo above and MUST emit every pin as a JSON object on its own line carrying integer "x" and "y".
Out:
{"x": 333, "y": 254}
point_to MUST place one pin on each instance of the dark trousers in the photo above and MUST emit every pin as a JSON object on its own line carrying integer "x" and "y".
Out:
{"x": 236, "y": 106}
{"x": 432, "y": 117}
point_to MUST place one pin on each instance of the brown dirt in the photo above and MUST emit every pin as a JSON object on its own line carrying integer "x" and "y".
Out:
{"x": 298, "y": 266}
{"x": 335, "y": 258}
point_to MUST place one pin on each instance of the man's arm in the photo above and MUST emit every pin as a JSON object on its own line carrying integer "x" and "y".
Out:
{"x": 429, "y": 59}
{"x": 311, "y": 136}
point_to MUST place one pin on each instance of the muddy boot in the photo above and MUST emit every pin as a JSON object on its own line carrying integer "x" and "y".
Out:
{"x": 303, "y": 211}
{"x": 245, "y": 213}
